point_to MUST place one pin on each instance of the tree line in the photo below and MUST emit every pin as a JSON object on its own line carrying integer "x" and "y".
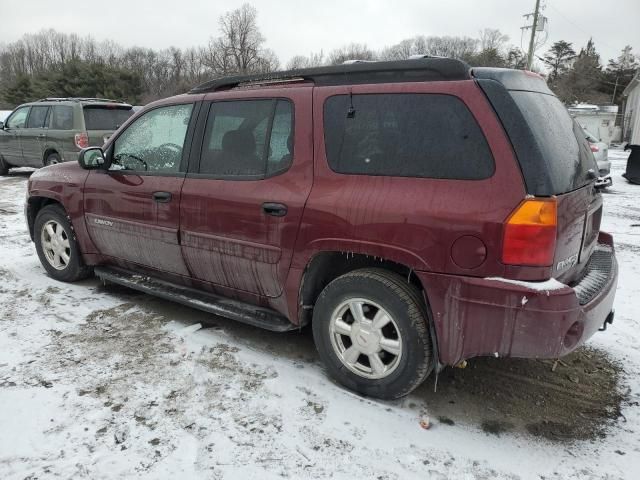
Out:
{"x": 55, "y": 64}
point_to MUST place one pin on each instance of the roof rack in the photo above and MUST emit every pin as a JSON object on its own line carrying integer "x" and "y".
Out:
{"x": 77, "y": 99}
{"x": 414, "y": 70}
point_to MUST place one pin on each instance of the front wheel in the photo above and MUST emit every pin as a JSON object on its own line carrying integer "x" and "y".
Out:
{"x": 370, "y": 329}
{"x": 57, "y": 247}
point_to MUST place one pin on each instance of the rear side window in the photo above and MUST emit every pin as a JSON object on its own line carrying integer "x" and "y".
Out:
{"x": 565, "y": 151}
{"x": 405, "y": 135}
{"x": 248, "y": 139}
{"x": 37, "y": 117}
{"x": 61, "y": 117}
{"x": 105, "y": 118}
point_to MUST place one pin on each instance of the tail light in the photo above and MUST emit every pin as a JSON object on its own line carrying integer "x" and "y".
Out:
{"x": 81, "y": 139}
{"x": 530, "y": 233}
{"x": 594, "y": 148}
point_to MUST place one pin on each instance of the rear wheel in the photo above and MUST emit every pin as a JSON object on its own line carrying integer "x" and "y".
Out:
{"x": 52, "y": 159}
{"x": 57, "y": 246}
{"x": 370, "y": 329}
{"x": 4, "y": 166}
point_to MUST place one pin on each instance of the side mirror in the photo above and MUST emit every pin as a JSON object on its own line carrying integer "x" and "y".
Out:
{"x": 1, "y": 125}
{"x": 91, "y": 158}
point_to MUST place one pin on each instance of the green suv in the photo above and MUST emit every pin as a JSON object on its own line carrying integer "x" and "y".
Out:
{"x": 54, "y": 130}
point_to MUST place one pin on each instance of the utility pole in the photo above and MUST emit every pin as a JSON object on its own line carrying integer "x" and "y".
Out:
{"x": 615, "y": 90}
{"x": 532, "y": 42}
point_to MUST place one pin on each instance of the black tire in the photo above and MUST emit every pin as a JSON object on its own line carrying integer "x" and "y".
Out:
{"x": 52, "y": 159}
{"x": 404, "y": 303}
{"x": 4, "y": 166}
{"x": 74, "y": 269}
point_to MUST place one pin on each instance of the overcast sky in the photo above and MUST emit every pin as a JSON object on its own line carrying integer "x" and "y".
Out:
{"x": 299, "y": 27}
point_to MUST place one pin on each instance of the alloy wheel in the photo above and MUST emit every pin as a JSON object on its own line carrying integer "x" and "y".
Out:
{"x": 365, "y": 338}
{"x": 55, "y": 245}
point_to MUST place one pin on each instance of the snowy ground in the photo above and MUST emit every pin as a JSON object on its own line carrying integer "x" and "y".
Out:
{"x": 101, "y": 382}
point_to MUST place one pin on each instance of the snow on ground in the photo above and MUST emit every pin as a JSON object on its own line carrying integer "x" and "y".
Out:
{"x": 101, "y": 382}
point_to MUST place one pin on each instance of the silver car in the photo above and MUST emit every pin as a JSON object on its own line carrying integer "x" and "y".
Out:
{"x": 601, "y": 154}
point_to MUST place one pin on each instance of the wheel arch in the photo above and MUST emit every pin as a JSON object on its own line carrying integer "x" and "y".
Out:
{"x": 48, "y": 151}
{"x": 325, "y": 266}
{"x": 33, "y": 207}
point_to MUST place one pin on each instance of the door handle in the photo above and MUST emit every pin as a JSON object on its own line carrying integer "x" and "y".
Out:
{"x": 162, "y": 197}
{"x": 275, "y": 209}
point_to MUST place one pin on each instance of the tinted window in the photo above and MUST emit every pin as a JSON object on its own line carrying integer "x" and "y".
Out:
{"x": 154, "y": 141}
{"x": 565, "y": 152}
{"x": 248, "y": 139}
{"x": 61, "y": 117}
{"x": 37, "y": 117}
{"x": 18, "y": 118}
{"x": 105, "y": 118}
{"x": 405, "y": 135}
{"x": 281, "y": 143}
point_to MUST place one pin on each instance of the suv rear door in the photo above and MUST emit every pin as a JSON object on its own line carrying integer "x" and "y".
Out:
{"x": 62, "y": 128}
{"x": 132, "y": 210}
{"x": 243, "y": 199}
{"x": 33, "y": 138}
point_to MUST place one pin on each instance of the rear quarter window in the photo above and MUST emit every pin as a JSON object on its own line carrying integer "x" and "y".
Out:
{"x": 105, "y": 118}
{"x": 405, "y": 135}
{"x": 565, "y": 152}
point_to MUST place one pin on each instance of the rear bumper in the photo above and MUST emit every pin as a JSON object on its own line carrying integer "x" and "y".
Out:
{"x": 479, "y": 316}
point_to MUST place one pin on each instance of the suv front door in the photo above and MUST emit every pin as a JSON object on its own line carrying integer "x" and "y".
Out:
{"x": 10, "y": 147}
{"x": 243, "y": 199}
{"x": 132, "y": 210}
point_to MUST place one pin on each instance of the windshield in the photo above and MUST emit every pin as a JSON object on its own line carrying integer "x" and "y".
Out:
{"x": 562, "y": 143}
{"x": 105, "y": 117}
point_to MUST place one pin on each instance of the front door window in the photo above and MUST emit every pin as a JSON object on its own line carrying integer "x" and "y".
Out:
{"x": 154, "y": 142}
{"x": 18, "y": 118}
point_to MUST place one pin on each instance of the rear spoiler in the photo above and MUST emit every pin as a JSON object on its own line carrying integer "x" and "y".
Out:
{"x": 521, "y": 80}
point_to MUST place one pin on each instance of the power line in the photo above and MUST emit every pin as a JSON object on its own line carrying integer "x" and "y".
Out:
{"x": 568, "y": 20}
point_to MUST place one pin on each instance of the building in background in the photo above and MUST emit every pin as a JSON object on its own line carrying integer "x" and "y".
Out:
{"x": 599, "y": 120}
{"x": 632, "y": 111}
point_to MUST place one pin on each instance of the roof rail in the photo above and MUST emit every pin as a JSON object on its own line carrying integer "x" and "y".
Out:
{"x": 414, "y": 70}
{"x": 78, "y": 99}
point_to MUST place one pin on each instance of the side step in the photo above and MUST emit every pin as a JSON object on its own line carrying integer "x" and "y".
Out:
{"x": 242, "y": 312}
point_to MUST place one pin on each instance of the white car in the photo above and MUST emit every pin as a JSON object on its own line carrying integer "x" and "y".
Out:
{"x": 601, "y": 154}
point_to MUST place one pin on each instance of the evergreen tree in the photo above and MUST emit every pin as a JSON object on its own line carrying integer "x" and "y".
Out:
{"x": 559, "y": 58}
{"x": 619, "y": 73}
{"x": 582, "y": 82}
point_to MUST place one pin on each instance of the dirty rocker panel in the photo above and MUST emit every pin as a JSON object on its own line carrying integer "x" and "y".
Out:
{"x": 207, "y": 302}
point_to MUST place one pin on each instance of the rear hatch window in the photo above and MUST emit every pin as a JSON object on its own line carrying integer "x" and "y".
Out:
{"x": 105, "y": 117}
{"x": 565, "y": 152}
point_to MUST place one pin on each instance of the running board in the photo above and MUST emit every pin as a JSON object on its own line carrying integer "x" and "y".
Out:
{"x": 208, "y": 302}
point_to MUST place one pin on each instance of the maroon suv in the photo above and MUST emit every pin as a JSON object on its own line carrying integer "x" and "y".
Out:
{"x": 417, "y": 213}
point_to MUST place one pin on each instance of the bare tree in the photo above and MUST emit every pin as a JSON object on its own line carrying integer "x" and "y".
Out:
{"x": 353, "y": 51}
{"x": 300, "y": 61}
{"x": 238, "y": 49}
{"x": 492, "y": 39}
